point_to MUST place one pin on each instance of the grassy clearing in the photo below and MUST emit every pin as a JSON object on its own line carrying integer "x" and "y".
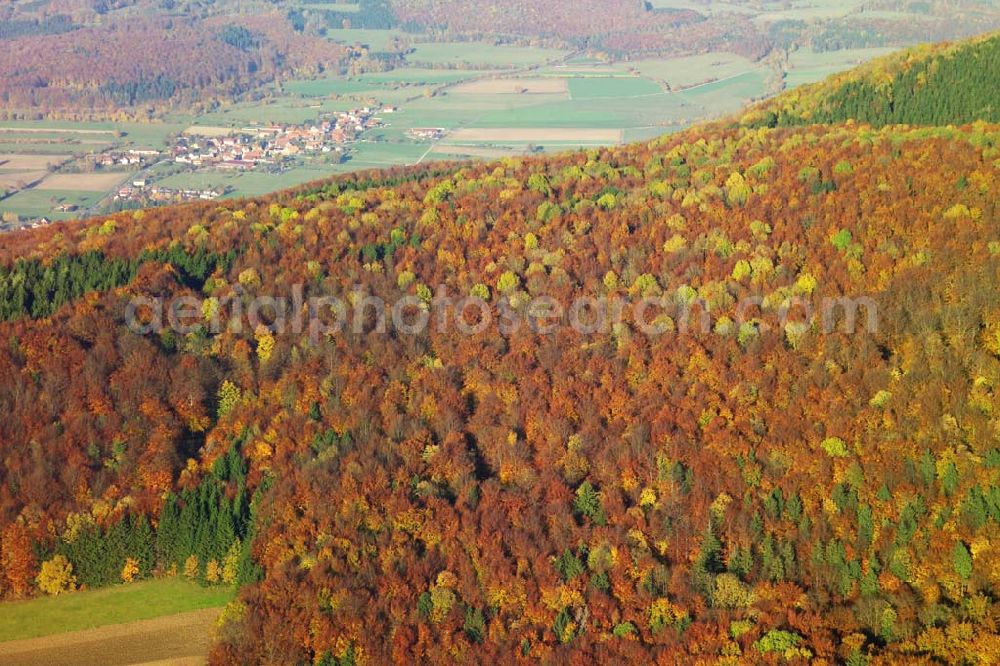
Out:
{"x": 381, "y": 155}
{"x": 513, "y": 86}
{"x": 457, "y": 109}
{"x": 330, "y": 6}
{"x": 132, "y": 135}
{"x": 54, "y": 149}
{"x": 95, "y": 608}
{"x": 441, "y": 53}
{"x": 612, "y": 87}
{"x": 246, "y": 184}
{"x": 377, "y": 40}
{"x": 292, "y": 110}
{"x": 19, "y": 161}
{"x": 805, "y": 10}
{"x": 38, "y": 203}
{"x": 83, "y": 182}
{"x": 692, "y": 70}
{"x": 739, "y": 87}
{"x": 535, "y": 135}
{"x": 16, "y": 180}
{"x": 702, "y": 7}
{"x": 606, "y": 113}
{"x": 326, "y": 87}
{"x": 807, "y": 66}
{"x": 727, "y": 95}
{"x": 417, "y": 75}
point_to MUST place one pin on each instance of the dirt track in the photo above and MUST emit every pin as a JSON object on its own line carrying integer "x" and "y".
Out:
{"x": 178, "y": 640}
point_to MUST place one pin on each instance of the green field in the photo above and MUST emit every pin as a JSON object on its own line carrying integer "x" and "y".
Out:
{"x": 768, "y": 11}
{"x": 475, "y": 53}
{"x": 246, "y": 183}
{"x": 804, "y": 10}
{"x": 807, "y": 66}
{"x": 702, "y": 7}
{"x": 330, "y": 6}
{"x": 379, "y": 155}
{"x": 93, "y": 135}
{"x": 612, "y": 87}
{"x": 377, "y": 40}
{"x": 727, "y": 95}
{"x": 95, "y": 608}
{"x": 37, "y": 148}
{"x": 693, "y": 70}
{"x": 41, "y": 203}
{"x": 326, "y": 87}
{"x": 416, "y": 75}
{"x": 279, "y": 110}
{"x": 552, "y": 111}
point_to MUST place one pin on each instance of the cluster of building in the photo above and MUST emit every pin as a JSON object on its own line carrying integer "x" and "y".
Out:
{"x": 16, "y": 225}
{"x": 147, "y": 194}
{"x": 252, "y": 146}
{"x": 427, "y": 133}
{"x": 126, "y": 158}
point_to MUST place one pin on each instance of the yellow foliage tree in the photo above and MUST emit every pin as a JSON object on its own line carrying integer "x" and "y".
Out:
{"x": 191, "y": 567}
{"x": 131, "y": 570}
{"x": 56, "y": 576}
{"x": 265, "y": 343}
{"x": 213, "y": 572}
{"x": 231, "y": 564}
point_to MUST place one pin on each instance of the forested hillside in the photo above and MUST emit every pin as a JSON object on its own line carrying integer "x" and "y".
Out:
{"x": 628, "y": 27}
{"x": 932, "y": 85}
{"x": 749, "y": 479}
{"x": 137, "y": 65}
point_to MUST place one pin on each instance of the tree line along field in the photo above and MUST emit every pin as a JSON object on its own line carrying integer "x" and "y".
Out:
{"x": 113, "y": 605}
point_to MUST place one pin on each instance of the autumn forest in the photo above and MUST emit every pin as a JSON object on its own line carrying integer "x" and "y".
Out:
{"x": 758, "y": 490}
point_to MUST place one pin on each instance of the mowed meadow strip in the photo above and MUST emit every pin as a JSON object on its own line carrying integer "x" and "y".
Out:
{"x": 83, "y": 182}
{"x": 22, "y": 162}
{"x": 533, "y": 86}
{"x": 536, "y": 135}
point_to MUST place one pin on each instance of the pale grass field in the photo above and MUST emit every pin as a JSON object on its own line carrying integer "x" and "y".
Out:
{"x": 535, "y": 135}
{"x": 535, "y": 86}
{"x": 20, "y": 179}
{"x": 207, "y": 130}
{"x": 83, "y": 182}
{"x": 16, "y": 161}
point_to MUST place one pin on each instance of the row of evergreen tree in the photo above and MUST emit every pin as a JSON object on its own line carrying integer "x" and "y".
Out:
{"x": 944, "y": 89}
{"x": 31, "y": 288}
{"x": 200, "y": 532}
{"x": 51, "y": 25}
{"x": 130, "y": 93}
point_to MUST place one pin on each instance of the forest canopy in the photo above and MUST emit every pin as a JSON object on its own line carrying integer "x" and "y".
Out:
{"x": 757, "y": 490}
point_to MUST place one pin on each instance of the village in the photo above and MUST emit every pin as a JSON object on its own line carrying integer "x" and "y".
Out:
{"x": 270, "y": 147}
{"x": 249, "y": 147}
{"x": 147, "y": 194}
{"x": 123, "y": 177}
